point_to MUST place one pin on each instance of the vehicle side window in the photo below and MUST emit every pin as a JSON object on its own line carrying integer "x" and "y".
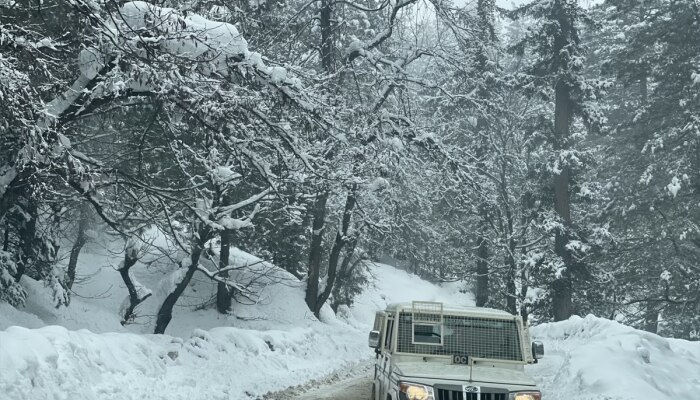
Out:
{"x": 378, "y": 322}
{"x": 427, "y": 333}
{"x": 389, "y": 333}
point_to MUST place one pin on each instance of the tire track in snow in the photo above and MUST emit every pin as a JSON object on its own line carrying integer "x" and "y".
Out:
{"x": 346, "y": 384}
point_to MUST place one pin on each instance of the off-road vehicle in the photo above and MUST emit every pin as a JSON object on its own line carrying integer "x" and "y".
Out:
{"x": 430, "y": 351}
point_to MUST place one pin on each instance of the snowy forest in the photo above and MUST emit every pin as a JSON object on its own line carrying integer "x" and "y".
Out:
{"x": 546, "y": 153}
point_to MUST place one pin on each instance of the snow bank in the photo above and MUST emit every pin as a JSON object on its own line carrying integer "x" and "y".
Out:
{"x": 267, "y": 346}
{"x": 56, "y": 363}
{"x": 595, "y": 358}
{"x": 223, "y": 363}
{"x": 276, "y": 342}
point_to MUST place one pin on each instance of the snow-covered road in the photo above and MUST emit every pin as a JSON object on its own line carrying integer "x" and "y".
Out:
{"x": 350, "y": 384}
{"x": 357, "y": 387}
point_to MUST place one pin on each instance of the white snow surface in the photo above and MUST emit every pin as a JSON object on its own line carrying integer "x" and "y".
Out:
{"x": 594, "y": 358}
{"x": 186, "y": 35}
{"x": 392, "y": 285}
{"x": 276, "y": 342}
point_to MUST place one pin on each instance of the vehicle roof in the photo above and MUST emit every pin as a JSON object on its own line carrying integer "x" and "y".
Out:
{"x": 454, "y": 309}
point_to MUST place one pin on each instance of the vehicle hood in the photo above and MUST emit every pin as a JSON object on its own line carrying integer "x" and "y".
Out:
{"x": 484, "y": 374}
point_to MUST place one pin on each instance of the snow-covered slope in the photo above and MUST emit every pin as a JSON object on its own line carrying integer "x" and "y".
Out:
{"x": 391, "y": 285}
{"x": 267, "y": 346}
{"x": 595, "y": 358}
{"x": 278, "y": 343}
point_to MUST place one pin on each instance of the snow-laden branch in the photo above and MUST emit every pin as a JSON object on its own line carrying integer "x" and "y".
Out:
{"x": 139, "y": 29}
{"x": 242, "y": 290}
{"x": 218, "y": 46}
{"x": 147, "y": 34}
{"x": 228, "y": 210}
{"x": 357, "y": 48}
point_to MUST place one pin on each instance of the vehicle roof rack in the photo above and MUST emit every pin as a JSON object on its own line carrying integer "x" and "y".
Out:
{"x": 430, "y": 312}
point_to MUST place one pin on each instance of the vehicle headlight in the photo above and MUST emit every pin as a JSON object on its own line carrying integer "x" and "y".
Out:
{"x": 415, "y": 391}
{"x": 525, "y": 396}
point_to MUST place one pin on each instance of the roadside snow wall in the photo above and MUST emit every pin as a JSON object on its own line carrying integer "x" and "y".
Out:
{"x": 222, "y": 363}
{"x": 595, "y": 358}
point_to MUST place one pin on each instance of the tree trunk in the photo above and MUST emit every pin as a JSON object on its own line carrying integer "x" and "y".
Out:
{"x": 345, "y": 271}
{"x": 651, "y": 317}
{"x": 316, "y": 250}
{"x": 10, "y": 195}
{"x": 485, "y": 13}
{"x": 523, "y": 293}
{"x": 327, "y": 43}
{"x": 482, "y": 266}
{"x": 562, "y": 285}
{"x": 130, "y": 259}
{"x": 511, "y": 295}
{"x": 509, "y": 240}
{"x": 223, "y": 293}
{"x": 6, "y": 236}
{"x": 165, "y": 313}
{"x": 340, "y": 241}
{"x": 319, "y": 211}
{"x": 80, "y": 241}
{"x": 27, "y": 239}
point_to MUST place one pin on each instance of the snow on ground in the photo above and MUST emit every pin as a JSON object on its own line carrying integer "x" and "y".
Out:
{"x": 595, "y": 358}
{"x": 83, "y": 351}
{"x": 392, "y": 285}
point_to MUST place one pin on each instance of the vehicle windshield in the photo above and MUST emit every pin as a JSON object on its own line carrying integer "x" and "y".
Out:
{"x": 459, "y": 335}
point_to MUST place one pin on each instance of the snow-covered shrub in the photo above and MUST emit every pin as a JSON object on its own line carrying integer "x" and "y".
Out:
{"x": 10, "y": 290}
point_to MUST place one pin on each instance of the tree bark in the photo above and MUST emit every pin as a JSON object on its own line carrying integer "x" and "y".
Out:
{"x": 130, "y": 259}
{"x": 80, "y": 241}
{"x": 223, "y": 293}
{"x": 340, "y": 241}
{"x": 6, "y": 236}
{"x": 9, "y": 196}
{"x": 562, "y": 285}
{"x": 316, "y": 250}
{"x": 345, "y": 273}
{"x": 523, "y": 293}
{"x": 509, "y": 240}
{"x": 651, "y": 317}
{"x": 327, "y": 43}
{"x": 511, "y": 294}
{"x": 165, "y": 313}
{"x": 27, "y": 239}
{"x": 485, "y": 13}
{"x": 482, "y": 266}
{"x": 319, "y": 210}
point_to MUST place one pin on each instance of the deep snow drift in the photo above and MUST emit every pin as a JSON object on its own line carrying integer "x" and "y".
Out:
{"x": 595, "y": 358}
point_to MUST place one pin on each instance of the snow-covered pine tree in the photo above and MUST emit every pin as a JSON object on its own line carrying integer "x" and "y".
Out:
{"x": 557, "y": 69}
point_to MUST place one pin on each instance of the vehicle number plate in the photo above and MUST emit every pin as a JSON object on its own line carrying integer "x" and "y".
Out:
{"x": 460, "y": 359}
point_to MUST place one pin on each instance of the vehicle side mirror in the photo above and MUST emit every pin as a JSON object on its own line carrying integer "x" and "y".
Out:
{"x": 374, "y": 339}
{"x": 537, "y": 349}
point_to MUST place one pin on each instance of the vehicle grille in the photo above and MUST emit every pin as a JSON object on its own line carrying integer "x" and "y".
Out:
{"x": 444, "y": 394}
{"x": 457, "y": 335}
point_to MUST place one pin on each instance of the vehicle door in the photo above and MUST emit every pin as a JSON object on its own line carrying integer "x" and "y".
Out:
{"x": 384, "y": 366}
